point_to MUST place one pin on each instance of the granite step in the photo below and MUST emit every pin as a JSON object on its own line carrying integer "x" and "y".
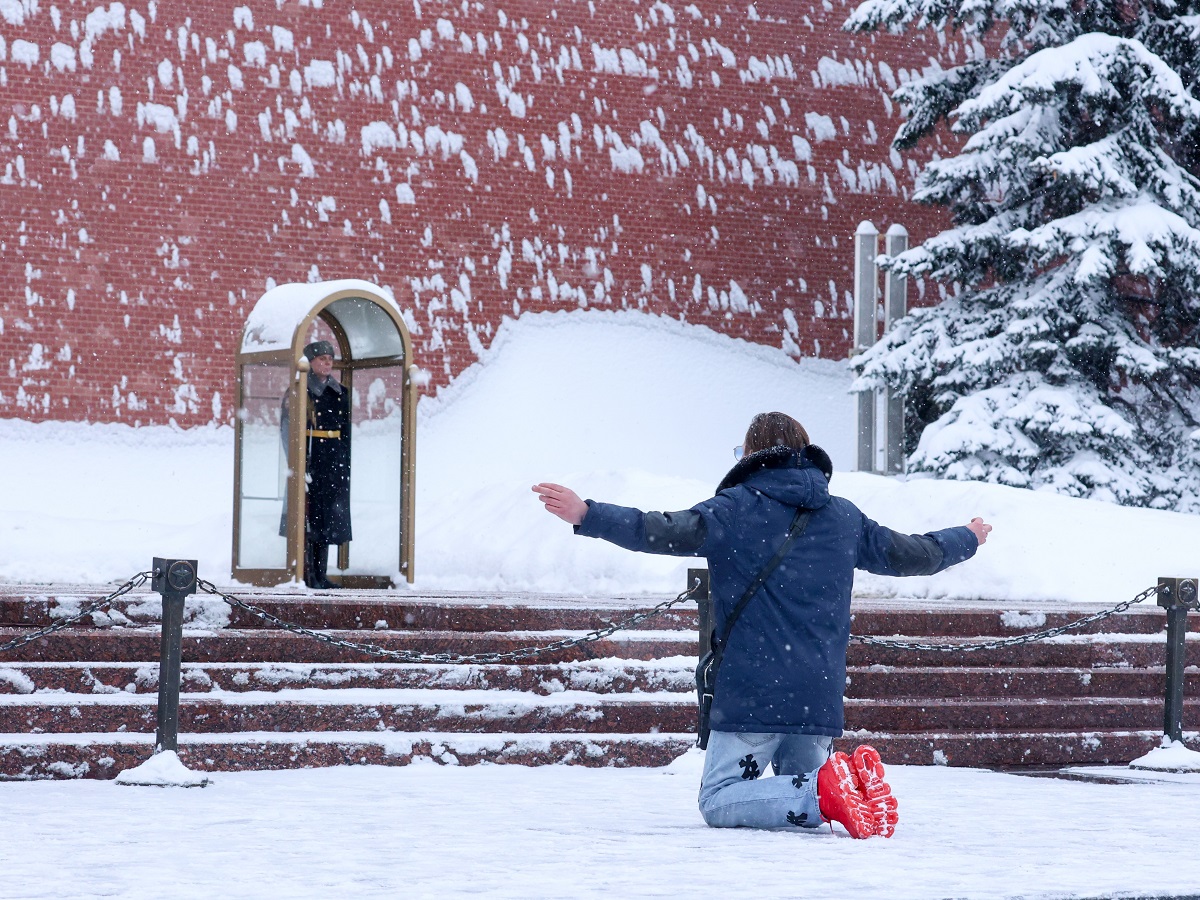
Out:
{"x": 121, "y": 644}
{"x": 141, "y": 644}
{"x": 1101, "y": 651}
{"x": 326, "y": 610}
{"x": 477, "y": 711}
{"x": 1000, "y": 620}
{"x": 405, "y": 611}
{"x": 54, "y": 756}
{"x": 605, "y": 676}
{"x": 1013, "y": 749}
{"x": 600, "y": 676}
{"x": 42, "y": 756}
{"x": 912, "y": 716}
{"x": 1014, "y": 682}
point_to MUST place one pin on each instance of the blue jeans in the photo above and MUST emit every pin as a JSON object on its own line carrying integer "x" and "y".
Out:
{"x": 733, "y": 794}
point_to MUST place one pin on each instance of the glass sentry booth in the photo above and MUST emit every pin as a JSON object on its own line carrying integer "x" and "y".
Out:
{"x": 374, "y": 363}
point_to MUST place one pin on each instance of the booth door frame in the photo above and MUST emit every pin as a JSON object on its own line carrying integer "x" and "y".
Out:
{"x": 265, "y": 577}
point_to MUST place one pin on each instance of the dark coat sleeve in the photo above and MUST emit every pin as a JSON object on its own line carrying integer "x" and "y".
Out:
{"x": 887, "y": 552}
{"x": 684, "y": 533}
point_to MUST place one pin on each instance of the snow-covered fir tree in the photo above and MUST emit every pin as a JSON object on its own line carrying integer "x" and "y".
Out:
{"x": 1065, "y": 355}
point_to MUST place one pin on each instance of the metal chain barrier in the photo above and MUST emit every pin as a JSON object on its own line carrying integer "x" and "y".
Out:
{"x": 566, "y": 643}
{"x": 598, "y": 634}
{"x": 415, "y": 656}
{"x": 1009, "y": 641}
{"x": 97, "y": 606}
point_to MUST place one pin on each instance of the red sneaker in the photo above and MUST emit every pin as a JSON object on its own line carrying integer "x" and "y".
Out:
{"x": 840, "y": 798}
{"x": 869, "y": 772}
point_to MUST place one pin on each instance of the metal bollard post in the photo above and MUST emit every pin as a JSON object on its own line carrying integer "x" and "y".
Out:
{"x": 895, "y": 308}
{"x": 866, "y": 332}
{"x": 703, "y": 600}
{"x": 1177, "y": 596}
{"x": 175, "y": 579}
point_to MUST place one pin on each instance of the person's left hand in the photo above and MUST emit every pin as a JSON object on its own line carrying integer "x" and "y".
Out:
{"x": 561, "y": 501}
{"x": 980, "y": 529}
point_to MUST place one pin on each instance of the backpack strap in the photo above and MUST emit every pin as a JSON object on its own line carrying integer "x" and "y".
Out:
{"x": 799, "y": 523}
{"x": 706, "y": 675}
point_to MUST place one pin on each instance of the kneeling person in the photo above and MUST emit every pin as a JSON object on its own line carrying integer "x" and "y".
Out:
{"x": 778, "y": 694}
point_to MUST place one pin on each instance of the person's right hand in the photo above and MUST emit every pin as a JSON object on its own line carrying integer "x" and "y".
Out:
{"x": 561, "y": 501}
{"x": 980, "y": 529}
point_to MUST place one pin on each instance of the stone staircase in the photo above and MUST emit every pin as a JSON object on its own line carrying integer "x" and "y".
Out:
{"x": 82, "y": 702}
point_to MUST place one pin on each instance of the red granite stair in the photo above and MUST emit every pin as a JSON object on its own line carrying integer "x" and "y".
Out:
{"x": 81, "y": 703}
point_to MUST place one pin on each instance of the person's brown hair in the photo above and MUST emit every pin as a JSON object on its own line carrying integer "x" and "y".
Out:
{"x": 774, "y": 429}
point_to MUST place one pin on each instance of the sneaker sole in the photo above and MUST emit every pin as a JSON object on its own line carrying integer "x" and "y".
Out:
{"x": 870, "y": 773}
{"x": 846, "y": 798}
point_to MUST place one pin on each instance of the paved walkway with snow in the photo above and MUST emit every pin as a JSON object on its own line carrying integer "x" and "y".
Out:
{"x": 514, "y": 832}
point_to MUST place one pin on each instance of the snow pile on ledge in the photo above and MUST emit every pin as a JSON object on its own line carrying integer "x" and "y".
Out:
{"x": 163, "y": 769}
{"x": 1172, "y": 756}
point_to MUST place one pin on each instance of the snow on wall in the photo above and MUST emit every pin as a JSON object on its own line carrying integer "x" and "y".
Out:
{"x": 161, "y": 166}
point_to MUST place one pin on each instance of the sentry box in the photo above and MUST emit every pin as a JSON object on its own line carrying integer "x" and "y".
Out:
{"x": 374, "y": 362}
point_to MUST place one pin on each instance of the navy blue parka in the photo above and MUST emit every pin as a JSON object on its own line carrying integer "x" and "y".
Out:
{"x": 784, "y": 669}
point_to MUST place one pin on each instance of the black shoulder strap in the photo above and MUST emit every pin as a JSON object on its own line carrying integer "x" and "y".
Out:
{"x": 799, "y": 523}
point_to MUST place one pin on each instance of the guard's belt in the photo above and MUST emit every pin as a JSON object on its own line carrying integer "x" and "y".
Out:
{"x": 332, "y": 435}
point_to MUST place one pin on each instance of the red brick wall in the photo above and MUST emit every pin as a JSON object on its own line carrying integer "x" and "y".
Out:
{"x": 126, "y": 274}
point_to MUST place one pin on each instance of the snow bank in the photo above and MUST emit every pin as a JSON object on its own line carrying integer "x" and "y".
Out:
{"x": 621, "y": 406}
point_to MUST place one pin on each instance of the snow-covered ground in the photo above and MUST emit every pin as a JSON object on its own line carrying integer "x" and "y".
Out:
{"x": 620, "y": 406}
{"x": 430, "y": 831}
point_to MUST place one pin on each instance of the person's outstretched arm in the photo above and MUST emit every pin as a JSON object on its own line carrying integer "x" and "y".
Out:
{"x": 672, "y": 533}
{"x": 886, "y": 552}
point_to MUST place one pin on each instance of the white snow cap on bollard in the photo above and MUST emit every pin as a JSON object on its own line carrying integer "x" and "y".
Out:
{"x": 1172, "y": 756}
{"x": 163, "y": 769}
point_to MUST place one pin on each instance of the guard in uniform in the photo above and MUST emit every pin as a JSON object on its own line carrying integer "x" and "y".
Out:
{"x": 327, "y": 438}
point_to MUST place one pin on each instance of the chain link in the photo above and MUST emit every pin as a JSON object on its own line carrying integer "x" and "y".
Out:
{"x": 415, "y": 656}
{"x": 1009, "y": 641}
{"x": 98, "y": 606}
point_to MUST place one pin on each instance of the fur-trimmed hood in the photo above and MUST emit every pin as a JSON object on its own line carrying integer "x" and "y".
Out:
{"x": 777, "y": 458}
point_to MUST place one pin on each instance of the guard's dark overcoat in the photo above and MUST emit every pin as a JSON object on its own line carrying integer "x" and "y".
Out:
{"x": 328, "y": 462}
{"x": 328, "y": 512}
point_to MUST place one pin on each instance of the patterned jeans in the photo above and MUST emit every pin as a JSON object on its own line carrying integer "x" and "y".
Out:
{"x": 733, "y": 793}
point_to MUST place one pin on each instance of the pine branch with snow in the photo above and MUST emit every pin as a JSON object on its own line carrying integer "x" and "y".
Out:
{"x": 1066, "y": 353}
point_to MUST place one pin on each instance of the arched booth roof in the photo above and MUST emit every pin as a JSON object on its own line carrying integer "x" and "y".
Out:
{"x": 366, "y": 314}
